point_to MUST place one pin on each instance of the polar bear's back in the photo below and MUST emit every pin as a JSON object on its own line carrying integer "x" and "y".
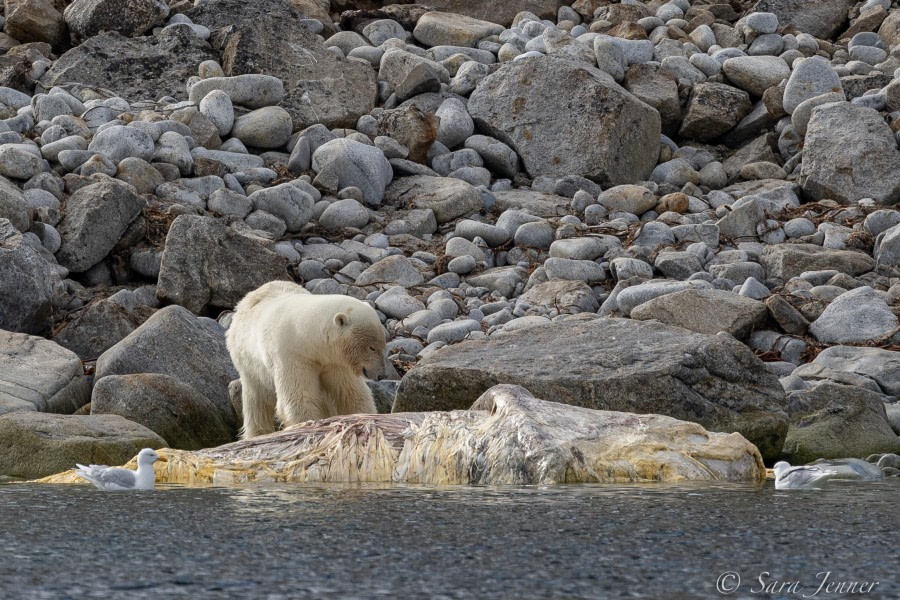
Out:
{"x": 281, "y": 319}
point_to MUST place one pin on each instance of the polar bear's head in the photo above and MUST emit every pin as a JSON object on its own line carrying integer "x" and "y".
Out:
{"x": 362, "y": 338}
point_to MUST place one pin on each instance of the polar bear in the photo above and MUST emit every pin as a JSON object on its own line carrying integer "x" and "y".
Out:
{"x": 302, "y": 356}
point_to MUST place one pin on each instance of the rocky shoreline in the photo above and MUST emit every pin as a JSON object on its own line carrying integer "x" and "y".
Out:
{"x": 681, "y": 208}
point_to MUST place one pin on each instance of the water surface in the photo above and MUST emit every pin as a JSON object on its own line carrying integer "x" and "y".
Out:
{"x": 587, "y": 541}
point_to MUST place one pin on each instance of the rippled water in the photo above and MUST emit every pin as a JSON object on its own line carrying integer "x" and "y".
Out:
{"x": 652, "y": 541}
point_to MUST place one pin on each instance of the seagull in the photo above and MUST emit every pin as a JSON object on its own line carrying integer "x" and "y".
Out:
{"x": 793, "y": 478}
{"x": 816, "y": 474}
{"x": 116, "y": 478}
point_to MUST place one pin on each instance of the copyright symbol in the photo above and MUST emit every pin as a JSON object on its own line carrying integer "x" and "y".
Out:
{"x": 728, "y": 582}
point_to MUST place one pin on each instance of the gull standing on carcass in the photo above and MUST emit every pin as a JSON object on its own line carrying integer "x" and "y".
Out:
{"x": 116, "y": 478}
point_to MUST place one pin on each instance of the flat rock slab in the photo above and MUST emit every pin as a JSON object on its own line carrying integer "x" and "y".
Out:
{"x": 785, "y": 261}
{"x": 36, "y": 444}
{"x": 142, "y": 68}
{"x": 567, "y": 118}
{"x": 705, "y": 311}
{"x": 319, "y": 87}
{"x": 540, "y": 204}
{"x": 39, "y": 375}
{"x": 497, "y": 12}
{"x": 507, "y": 438}
{"x": 613, "y": 364}
{"x": 881, "y": 366}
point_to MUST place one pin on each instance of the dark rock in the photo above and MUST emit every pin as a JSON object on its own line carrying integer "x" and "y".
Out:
{"x": 143, "y": 68}
{"x": 87, "y": 18}
{"x": 176, "y": 343}
{"x": 319, "y": 87}
{"x": 837, "y": 421}
{"x": 179, "y": 413}
{"x": 97, "y": 327}
{"x": 31, "y": 291}
{"x": 94, "y": 219}
{"x": 39, "y": 375}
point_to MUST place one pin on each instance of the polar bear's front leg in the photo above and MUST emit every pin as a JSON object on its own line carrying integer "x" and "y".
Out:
{"x": 300, "y": 397}
{"x": 349, "y": 392}
{"x": 257, "y": 407}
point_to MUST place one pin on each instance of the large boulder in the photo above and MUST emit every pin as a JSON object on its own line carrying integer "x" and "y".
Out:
{"x": 101, "y": 324}
{"x": 857, "y": 315}
{"x": 497, "y": 12}
{"x": 567, "y": 118}
{"x": 451, "y": 29}
{"x": 448, "y": 197}
{"x": 207, "y": 264}
{"x": 266, "y": 38}
{"x": 345, "y": 163}
{"x": 87, "y": 18}
{"x": 143, "y": 68}
{"x": 837, "y": 421}
{"x": 36, "y": 21}
{"x": 176, "y": 411}
{"x": 94, "y": 219}
{"x": 13, "y": 205}
{"x": 39, "y": 375}
{"x": 785, "y": 261}
{"x": 820, "y": 18}
{"x": 880, "y": 366}
{"x": 714, "y": 108}
{"x": 176, "y": 343}
{"x": 705, "y": 311}
{"x": 31, "y": 290}
{"x": 34, "y": 444}
{"x": 613, "y": 364}
{"x": 850, "y": 153}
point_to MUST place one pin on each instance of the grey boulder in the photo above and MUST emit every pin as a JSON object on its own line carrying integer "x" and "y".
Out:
{"x": 179, "y": 413}
{"x": 34, "y": 444}
{"x": 176, "y": 343}
{"x": 613, "y": 364}
{"x": 207, "y": 264}
{"x": 567, "y": 118}
{"x": 850, "y": 153}
{"x": 345, "y": 163}
{"x": 31, "y": 290}
{"x": 39, "y": 375}
{"x": 94, "y": 219}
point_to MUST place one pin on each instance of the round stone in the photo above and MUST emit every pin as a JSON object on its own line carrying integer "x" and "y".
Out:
{"x": 268, "y": 127}
{"x": 344, "y": 213}
{"x": 217, "y": 107}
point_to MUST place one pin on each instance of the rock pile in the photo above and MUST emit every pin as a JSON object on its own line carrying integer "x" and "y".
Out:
{"x": 584, "y": 196}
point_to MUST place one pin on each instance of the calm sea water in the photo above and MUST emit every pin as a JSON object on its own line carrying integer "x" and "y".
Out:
{"x": 287, "y": 542}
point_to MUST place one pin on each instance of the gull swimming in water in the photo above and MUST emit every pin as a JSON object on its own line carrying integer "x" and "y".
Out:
{"x": 116, "y": 478}
{"x": 817, "y": 474}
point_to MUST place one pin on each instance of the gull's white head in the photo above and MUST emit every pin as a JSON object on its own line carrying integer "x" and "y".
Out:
{"x": 780, "y": 467}
{"x": 148, "y": 456}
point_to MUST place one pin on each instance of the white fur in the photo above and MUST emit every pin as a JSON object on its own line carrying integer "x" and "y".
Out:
{"x": 301, "y": 356}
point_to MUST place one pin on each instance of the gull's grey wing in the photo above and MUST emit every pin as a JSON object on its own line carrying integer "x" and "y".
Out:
{"x": 120, "y": 477}
{"x": 800, "y": 477}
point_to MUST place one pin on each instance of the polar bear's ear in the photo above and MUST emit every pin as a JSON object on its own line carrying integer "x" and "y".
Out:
{"x": 341, "y": 320}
